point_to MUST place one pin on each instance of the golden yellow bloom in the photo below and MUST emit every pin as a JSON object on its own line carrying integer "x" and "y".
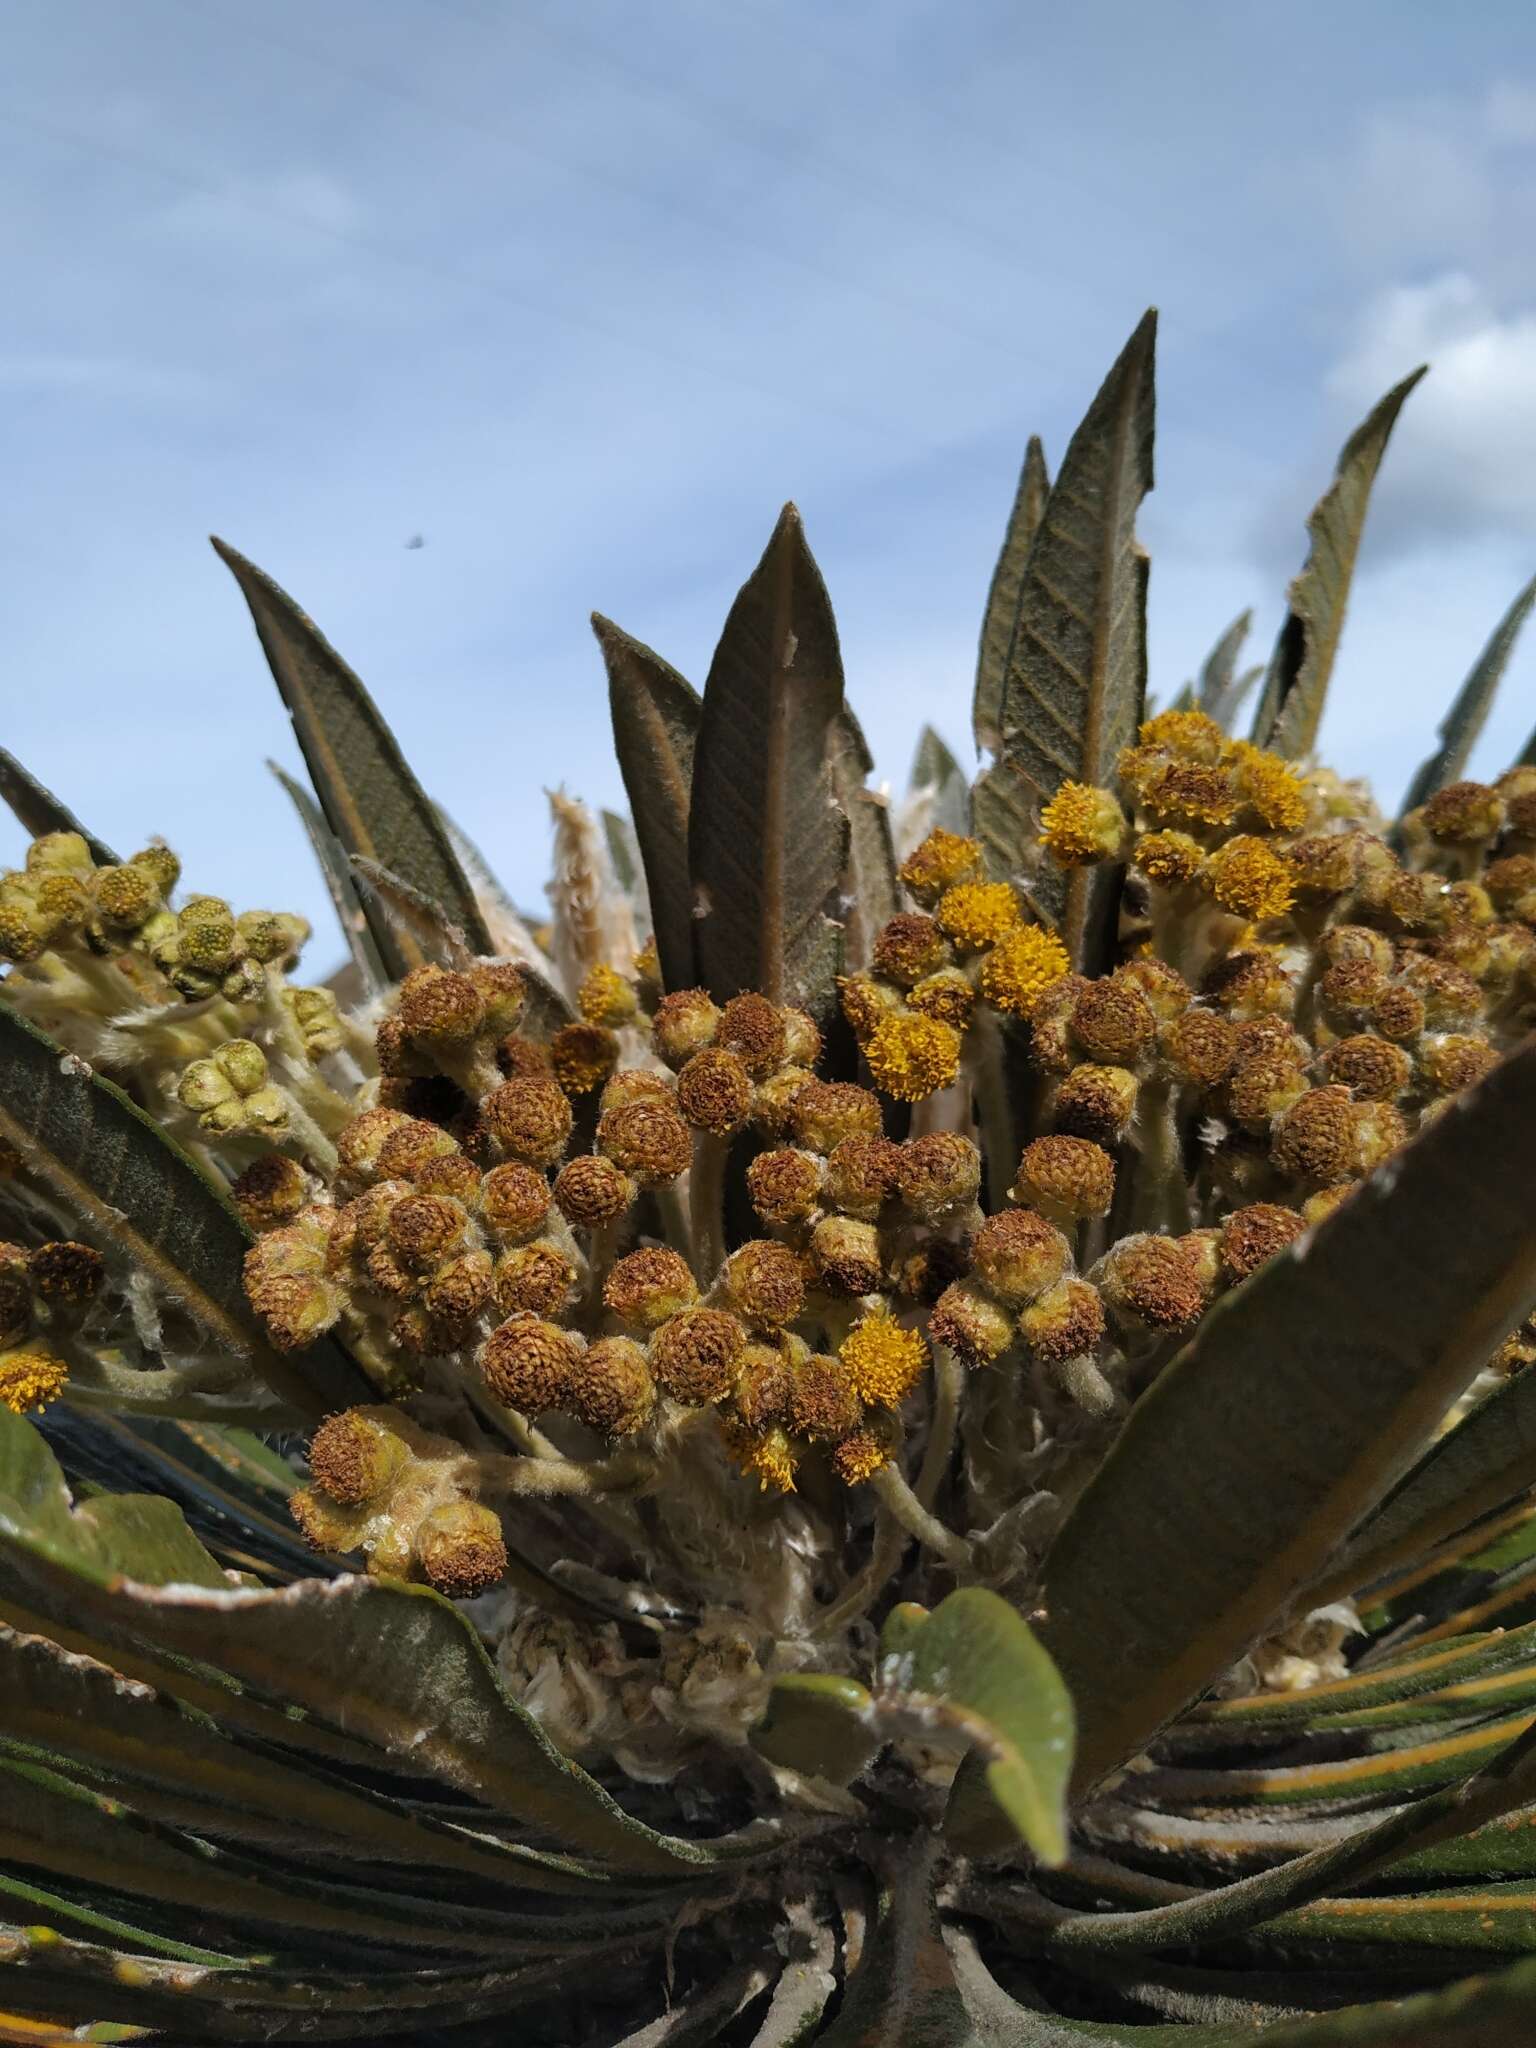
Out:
{"x": 1017, "y": 972}
{"x": 605, "y": 997}
{"x": 1269, "y": 786}
{"x": 766, "y": 1455}
{"x": 859, "y": 1456}
{"x": 30, "y": 1379}
{"x": 943, "y": 859}
{"x": 912, "y": 1056}
{"x": 1082, "y": 825}
{"x": 1190, "y": 791}
{"x": 884, "y": 1361}
{"x": 1189, "y": 734}
{"x": 1248, "y": 877}
{"x": 976, "y": 914}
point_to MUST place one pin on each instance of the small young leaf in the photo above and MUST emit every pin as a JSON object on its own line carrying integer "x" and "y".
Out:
{"x": 340, "y": 884}
{"x": 655, "y": 726}
{"x": 767, "y": 841}
{"x": 372, "y": 802}
{"x": 1474, "y": 700}
{"x": 818, "y": 1724}
{"x": 1216, "y": 687}
{"x": 1291, "y": 707}
{"x": 870, "y": 889}
{"x": 1297, "y": 1403}
{"x": 39, "y": 810}
{"x": 1001, "y": 614}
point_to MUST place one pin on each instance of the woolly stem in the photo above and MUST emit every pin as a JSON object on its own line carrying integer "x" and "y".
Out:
{"x": 948, "y": 1389}
{"x": 1160, "y": 1194}
{"x": 904, "y": 1506}
{"x": 706, "y": 1202}
{"x": 984, "y": 1059}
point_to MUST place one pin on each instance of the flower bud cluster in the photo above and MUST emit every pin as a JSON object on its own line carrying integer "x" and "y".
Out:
{"x": 45, "y": 1294}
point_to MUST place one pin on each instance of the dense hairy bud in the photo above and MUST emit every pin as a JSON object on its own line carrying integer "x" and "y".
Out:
{"x": 1018, "y": 1255}
{"x": 1049, "y": 1014}
{"x": 694, "y": 1355}
{"x": 1371, "y": 1068}
{"x": 411, "y": 1147}
{"x": 458, "y": 1290}
{"x": 460, "y": 1549}
{"x": 773, "y": 1100}
{"x": 753, "y": 1029}
{"x": 609, "y": 1387}
{"x": 1451, "y": 998}
{"x": 938, "y": 1174}
{"x": 513, "y": 1202}
{"x": 970, "y": 1323}
{"x": 647, "y": 1138}
{"x": 636, "y": 1084}
{"x": 714, "y": 1091}
{"x": 763, "y": 1382}
{"x": 355, "y": 1457}
{"x": 1065, "y": 1179}
{"x": 526, "y": 1363}
{"x": 1252, "y": 984}
{"x": 825, "y": 1112}
{"x": 921, "y": 1272}
{"x": 943, "y": 861}
{"x": 1263, "y": 1087}
{"x": 1112, "y": 1021}
{"x": 1463, "y": 814}
{"x": 947, "y": 996}
{"x": 1252, "y": 1235}
{"x": 861, "y": 1175}
{"x": 764, "y": 1282}
{"x": 846, "y": 1255}
{"x": 591, "y": 1191}
{"x": 125, "y": 897}
{"x": 1152, "y": 1283}
{"x": 785, "y": 1186}
{"x": 1399, "y": 1014}
{"x": 1200, "y": 1048}
{"x": 685, "y": 1022}
{"x": 646, "y": 1287}
{"x": 1451, "y": 1061}
{"x": 1065, "y": 1322}
{"x": 823, "y": 1402}
{"x": 438, "y": 1007}
{"x": 802, "y": 1037}
{"x": 521, "y": 1058}
{"x": 534, "y": 1279}
{"x": 1095, "y": 1102}
{"x": 1315, "y": 1140}
{"x": 359, "y": 1147}
{"x": 67, "y": 1275}
{"x": 908, "y": 948}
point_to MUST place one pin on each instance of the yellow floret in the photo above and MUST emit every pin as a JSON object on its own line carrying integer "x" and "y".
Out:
{"x": 1269, "y": 786}
{"x": 1015, "y": 974}
{"x": 943, "y": 859}
{"x": 1168, "y": 858}
{"x": 1189, "y": 734}
{"x": 976, "y": 914}
{"x": 605, "y": 997}
{"x": 859, "y": 1456}
{"x": 766, "y": 1455}
{"x": 1248, "y": 877}
{"x": 912, "y": 1056}
{"x": 884, "y": 1361}
{"x": 1082, "y": 825}
{"x": 30, "y": 1379}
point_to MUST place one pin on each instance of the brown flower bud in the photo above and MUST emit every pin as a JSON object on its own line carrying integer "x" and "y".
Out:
{"x": 1165, "y": 991}
{"x": 1200, "y": 1047}
{"x": 714, "y": 1091}
{"x": 646, "y": 1287}
{"x": 295, "y": 1308}
{"x": 938, "y": 1174}
{"x": 450, "y": 1174}
{"x": 1348, "y": 992}
{"x": 1095, "y": 1102}
{"x": 1251, "y": 985}
{"x": 1018, "y": 1255}
{"x": 765, "y": 1283}
{"x": 66, "y": 1274}
{"x": 1464, "y": 814}
{"x": 438, "y": 1007}
{"x": 458, "y": 1290}
{"x": 520, "y": 1058}
{"x": 1380, "y": 1130}
{"x": 591, "y": 1191}
{"x": 1113, "y": 1022}
{"x": 1371, "y": 1068}
{"x": 763, "y": 1385}
{"x": 1252, "y": 1235}
{"x": 862, "y": 1453}
{"x": 1357, "y": 942}
{"x": 1454, "y": 1060}
{"x": 1151, "y": 1283}
{"x": 531, "y": 1118}
{"x": 412, "y": 1146}
{"x": 946, "y": 996}
{"x": 1067, "y": 1322}
{"x": 502, "y": 992}
{"x": 631, "y": 1084}
{"x": 861, "y": 1175}
{"x": 1315, "y": 1140}
{"x": 685, "y": 1022}
{"x": 864, "y": 1001}
{"x": 694, "y": 1355}
{"x": 460, "y": 1549}
{"x": 1511, "y": 881}
{"x": 773, "y": 1100}
{"x": 1264, "y": 1087}
{"x": 1451, "y": 999}
{"x": 1049, "y": 1017}
{"x": 825, "y": 1112}
{"x": 921, "y": 1272}
{"x": 1324, "y": 866}
{"x": 1065, "y": 1179}
{"x": 785, "y": 1186}
{"x": 647, "y": 1138}
{"x": 360, "y": 1143}
{"x": 822, "y": 1401}
{"x": 971, "y": 1324}
{"x": 423, "y": 1229}
{"x": 802, "y": 1037}
{"x": 753, "y": 1029}
{"x": 846, "y": 1255}
{"x": 609, "y": 1387}
{"x": 907, "y": 948}
{"x": 526, "y": 1363}
{"x": 1398, "y": 1014}
{"x": 514, "y": 1202}
{"x": 355, "y": 1457}
{"x": 534, "y": 1279}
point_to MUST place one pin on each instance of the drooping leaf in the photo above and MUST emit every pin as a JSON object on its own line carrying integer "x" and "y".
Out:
{"x": 1291, "y": 706}
{"x": 655, "y": 714}
{"x": 340, "y": 883}
{"x": 767, "y": 841}
{"x": 1217, "y": 677}
{"x": 1473, "y": 701}
{"x": 1299, "y": 1401}
{"x": 1001, "y": 614}
{"x": 40, "y": 811}
{"x": 1076, "y": 670}
{"x": 133, "y": 1190}
{"x": 871, "y": 893}
{"x": 371, "y": 800}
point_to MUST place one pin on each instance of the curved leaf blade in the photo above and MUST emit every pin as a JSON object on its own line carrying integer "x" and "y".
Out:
{"x": 1464, "y": 721}
{"x": 341, "y": 887}
{"x": 655, "y": 714}
{"x": 1218, "y": 677}
{"x": 1002, "y": 610}
{"x": 1350, "y": 1347}
{"x": 1077, "y": 666}
{"x": 1291, "y": 706}
{"x": 767, "y": 841}
{"x": 131, "y": 1188}
{"x": 38, "y": 810}
{"x": 871, "y": 892}
{"x": 371, "y": 800}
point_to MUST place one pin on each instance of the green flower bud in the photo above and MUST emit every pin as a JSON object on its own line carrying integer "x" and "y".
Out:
{"x": 245, "y": 1064}
{"x": 162, "y": 864}
{"x": 59, "y": 850}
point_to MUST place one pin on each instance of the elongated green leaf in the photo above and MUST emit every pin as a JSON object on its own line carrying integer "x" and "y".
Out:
{"x": 1473, "y": 701}
{"x": 1005, "y": 817}
{"x": 372, "y": 802}
{"x": 870, "y": 890}
{"x": 1291, "y": 707}
{"x": 1217, "y": 677}
{"x": 340, "y": 884}
{"x": 938, "y": 778}
{"x": 655, "y": 727}
{"x": 819, "y": 1724}
{"x": 1291, "y": 1410}
{"x": 767, "y": 842}
{"x": 131, "y": 1189}
{"x": 1001, "y": 615}
{"x": 1076, "y": 670}
{"x": 40, "y": 811}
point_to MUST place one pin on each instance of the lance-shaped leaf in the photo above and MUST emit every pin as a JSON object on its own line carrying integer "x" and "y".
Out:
{"x": 40, "y": 811}
{"x": 1291, "y": 707}
{"x": 1001, "y": 614}
{"x": 1077, "y": 668}
{"x": 767, "y": 841}
{"x": 132, "y": 1189}
{"x": 1200, "y": 1526}
{"x": 340, "y": 884}
{"x": 655, "y": 725}
{"x": 870, "y": 890}
{"x": 1474, "y": 700}
{"x": 1217, "y": 677}
{"x": 372, "y": 802}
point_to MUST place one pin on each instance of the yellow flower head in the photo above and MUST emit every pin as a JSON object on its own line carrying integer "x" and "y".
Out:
{"x": 1082, "y": 825}
{"x": 1249, "y": 878}
{"x": 1269, "y": 786}
{"x": 976, "y": 914}
{"x": 1191, "y": 792}
{"x": 884, "y": 1361}
{"x": 1015, "y": 974}
{"x": 1168, "y": 858}
{"x": 606, "y": 997}
{"x": 912, "y": 1056}
{"x": 859, "y": 1456}
{"x": 1189, "y": 734}
{"x": 30, "y": 1379}
{"x": 764, "y": 1454}
{"x": 943, "y": 859}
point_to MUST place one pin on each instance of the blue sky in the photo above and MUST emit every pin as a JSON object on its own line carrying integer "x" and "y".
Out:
{"x": 582, "y": 293}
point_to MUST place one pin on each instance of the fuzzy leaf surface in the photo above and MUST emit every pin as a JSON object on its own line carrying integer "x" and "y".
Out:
{"x": 1294, "y": 1407}
{"x": 870, "y": 888}
{"x": 38, "y": 810}
{"x": 1473, "y": 701}
{"x": 341, "y": 885}
{"x": 1218, "y": 676}
{"x": 1002, "y": 610}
